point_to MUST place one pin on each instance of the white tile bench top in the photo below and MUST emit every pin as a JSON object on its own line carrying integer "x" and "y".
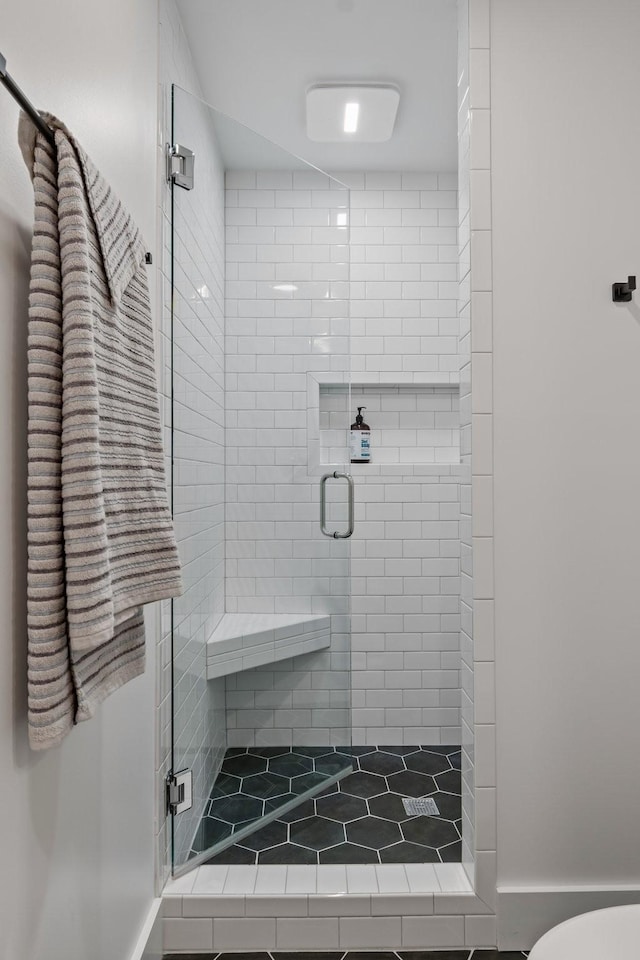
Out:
{"x": 242, "y": 641}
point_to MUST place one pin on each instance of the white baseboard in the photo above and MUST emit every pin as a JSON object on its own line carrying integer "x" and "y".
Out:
{"x": 149, "y": 945}
{"x": 525, "y": 913}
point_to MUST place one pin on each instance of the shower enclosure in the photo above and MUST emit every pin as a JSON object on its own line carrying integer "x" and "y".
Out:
{"x": 260, "y": 330}
{"x": 316, "y": 702}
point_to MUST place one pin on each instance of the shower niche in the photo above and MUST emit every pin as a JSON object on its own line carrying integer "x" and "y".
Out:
{"x": 412, "y": 422}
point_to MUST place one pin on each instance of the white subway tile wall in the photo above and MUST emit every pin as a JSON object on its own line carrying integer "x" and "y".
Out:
{"x": 405, "y": 605}
{"x": 287, "y": 316}
{"x": 404, "y": 275}
{"x": 477, "y": 637}
{"x": 476, "y": 491}
{"x": 464, "y": 306}
{"x": 197, "y": 356}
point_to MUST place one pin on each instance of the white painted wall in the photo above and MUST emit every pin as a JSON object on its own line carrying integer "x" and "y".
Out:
{"x": 566, "y": 219}
{"x": 76, "y": 831}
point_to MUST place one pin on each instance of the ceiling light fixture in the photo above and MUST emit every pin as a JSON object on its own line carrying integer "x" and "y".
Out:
{"x": 351, "y": 113}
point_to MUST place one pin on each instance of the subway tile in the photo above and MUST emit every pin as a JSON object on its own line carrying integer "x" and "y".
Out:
{"x": 240, "y": 879}
{"x": 332, "y": 880}
{"x": 452, "y": 878}
{"x": 401, "y": 198}
{"x": 273, "y": 180}
{"x": 171, "y": 906}
{"x": 482, "y": 375}
{"x": 180, "y": 934}
{"x": 212, "y": 906}
{"x": 353, "y": 905}
{"x": 485, "y": 813}
{"x": 482, "y": 439}
{"x": 480, "y": 181}
{"x": 486, "y": 877}
{"x": 419, "y": 181}
{"x": 400, "y": 905}
{"x": 483, "y": 586}
{"x": 383, "y": 180}
{"x": 422, "y": 878}
{"x": 481, "y": 319}
{"x": 485, "y": 755}
{"x": 277, "y": 906}
{"x": 432, "y": 932}
{"x": 297, "y": 934}
{"x": 311, "y": 180}
{"x": 256, "y": 198}
{"x": 370, "y": 933}
{"x": 482, "y": 506}
{"x": 362, "y": 879}
{"x": 240, "y": 179}
{"x": 384, "y": 218}
{"x": 479, "y": 78}
{"x": 480, "y": 931}
{"x": 354, "y": 180}
{"x": 483, "y": 629}
{"x": 481, "y": 263}
{"x": 479, "y": 24}
{"x": 366, "y": 199}
{"x": 390, "y": 263}
{"x": 246, "y": 933}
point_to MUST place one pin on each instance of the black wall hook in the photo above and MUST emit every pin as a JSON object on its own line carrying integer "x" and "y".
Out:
{"x": 623, "y": 292}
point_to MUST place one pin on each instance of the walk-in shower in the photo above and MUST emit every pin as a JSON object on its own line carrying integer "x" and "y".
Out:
{"x": 316, "y": 674}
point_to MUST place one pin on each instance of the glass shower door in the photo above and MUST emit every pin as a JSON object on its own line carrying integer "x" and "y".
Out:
{"x": 259, "y": 378}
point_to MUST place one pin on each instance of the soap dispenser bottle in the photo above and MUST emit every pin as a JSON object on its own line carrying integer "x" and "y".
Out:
{"x": 360, "y": 439}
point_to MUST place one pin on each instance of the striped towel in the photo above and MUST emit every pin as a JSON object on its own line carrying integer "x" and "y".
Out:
{"x": 100, "y": 533}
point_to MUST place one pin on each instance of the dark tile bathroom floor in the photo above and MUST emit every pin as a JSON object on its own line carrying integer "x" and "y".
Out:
{"x": 359, "y": 819}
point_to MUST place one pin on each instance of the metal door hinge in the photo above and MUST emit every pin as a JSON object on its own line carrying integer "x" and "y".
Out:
{"x": 180, "y": 165}
{"x": 179, "y": 791}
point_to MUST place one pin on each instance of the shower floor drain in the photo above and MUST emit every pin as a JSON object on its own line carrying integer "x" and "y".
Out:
{"x": 424, "y": 806}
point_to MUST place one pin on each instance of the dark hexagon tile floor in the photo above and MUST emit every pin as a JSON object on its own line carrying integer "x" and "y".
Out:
{"x": 257, "y": 781}
{"x": 360, "y": 819}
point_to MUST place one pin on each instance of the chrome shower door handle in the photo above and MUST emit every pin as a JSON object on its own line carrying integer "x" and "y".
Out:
{"x": 323, "y": 505}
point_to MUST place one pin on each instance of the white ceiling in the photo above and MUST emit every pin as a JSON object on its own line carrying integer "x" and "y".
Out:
{"x": 256, "y": 59}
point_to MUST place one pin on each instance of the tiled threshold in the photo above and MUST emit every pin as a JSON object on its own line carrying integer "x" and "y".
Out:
{"x": 358, "y": 907}
{"x": 336, "y": 881}
{"x": 358, "y": 955}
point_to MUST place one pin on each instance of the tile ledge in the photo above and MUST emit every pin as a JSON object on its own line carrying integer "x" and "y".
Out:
{"x": 447, "y": 879}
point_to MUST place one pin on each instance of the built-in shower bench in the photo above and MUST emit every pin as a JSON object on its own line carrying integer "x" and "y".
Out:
{"x": 242, "y": 641}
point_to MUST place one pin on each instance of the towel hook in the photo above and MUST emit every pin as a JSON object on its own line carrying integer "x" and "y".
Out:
{"x": 623, "y": 292}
